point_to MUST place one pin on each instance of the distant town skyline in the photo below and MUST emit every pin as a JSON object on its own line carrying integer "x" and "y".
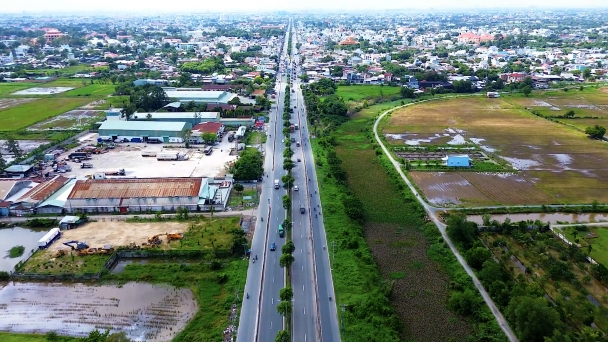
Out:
{"x": 197, "y": 6}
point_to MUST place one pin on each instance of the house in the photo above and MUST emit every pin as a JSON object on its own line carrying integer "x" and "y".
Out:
{"x": 458, "y": 161}
{"x": 18, "y": 171}
{"x": 216, "y": 128}
{"x": 412, "y": 83}
{"x": 70, "y": 222}
{"x": 4, "y": 208}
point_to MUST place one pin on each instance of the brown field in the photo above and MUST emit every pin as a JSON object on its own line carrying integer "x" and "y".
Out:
{"x": 544, "y": 149}
{"x": 448, "y": 188}
{"x": 507, "y": 188}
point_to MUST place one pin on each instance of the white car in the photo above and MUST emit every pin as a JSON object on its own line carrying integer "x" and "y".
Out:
{"x": 295, "y": 188}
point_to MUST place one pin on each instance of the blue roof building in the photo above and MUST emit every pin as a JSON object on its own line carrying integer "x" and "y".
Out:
{"x": 458, "y": 161}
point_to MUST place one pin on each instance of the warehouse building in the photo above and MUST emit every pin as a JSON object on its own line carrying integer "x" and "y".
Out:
{"x": 185, "y": 95}
{"x": 147, "y": 195}
{"x": 143, "y": 131}
{"x": 193, "y": 118}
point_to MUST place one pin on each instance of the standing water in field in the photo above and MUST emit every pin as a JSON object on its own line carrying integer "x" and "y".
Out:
{"x": 144, "y": 312}
{"x": 17, "y": 236}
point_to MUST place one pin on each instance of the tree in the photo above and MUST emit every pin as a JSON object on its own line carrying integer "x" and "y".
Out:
{"x": 3, "y": 164}
{"x": 532, "y": 318}
{"x": 595, "y": 132}
{"x": 238, "y": 187}
{"x": 407, "y": 93}
{"x": 286, "y": 260}
{"x": 464, "y": 303}
{"x": 286, "y": 294}
{"x": 288, "y": 247}
{"x": 209, "y": 138}
{"x": 477, "y": 256}
{"x": 283, "y": 336}
{"x": 286, "y": 202}
{"x": 569, "y": 114}
{"x": 284, "y": 308}
{"x": 13, "y": 147}
{"x": 461, "y": 230}
{"x": 249, "y": 166}
{"x": 288, "y": 164}
{"x": 526, "y": 90}
{"x": 288, "y": 181}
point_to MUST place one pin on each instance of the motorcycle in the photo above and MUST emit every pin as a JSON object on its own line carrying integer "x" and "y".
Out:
{"x": 253, "y": 261}
{"x": 247, "y": 295}
{"x": 262, "y": 219}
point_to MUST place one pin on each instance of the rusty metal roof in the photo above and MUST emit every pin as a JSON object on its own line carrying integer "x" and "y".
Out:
{"x": 137, "y": 187}
{"x": 44, "y": 190}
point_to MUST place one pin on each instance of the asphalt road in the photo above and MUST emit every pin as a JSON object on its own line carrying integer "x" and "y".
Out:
{"x": 313, "y": 241}
{"x": 259, "y": 319}
{"x": 305, "y": 317}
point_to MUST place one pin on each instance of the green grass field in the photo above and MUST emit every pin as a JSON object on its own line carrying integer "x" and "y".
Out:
{"x": 9, "y": 88}
{"x": 91, "y": 90}
{"x": 361, "y": 92}
{"x": 70, "y": 70}
{"x": 28, "y": 114}
{"x": 10, "y": 337}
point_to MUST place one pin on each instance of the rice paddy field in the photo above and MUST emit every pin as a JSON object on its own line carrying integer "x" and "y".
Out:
{"x": 553, "y": 163}
{"x": 362, "y": 92}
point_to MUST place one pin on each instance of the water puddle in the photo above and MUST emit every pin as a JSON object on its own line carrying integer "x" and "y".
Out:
{"x": 478, "y": 142}
{"x": 17, "y": 236}
{"x": 521, "y": 164}
{"x": 552, "y": 218}
{"x": 562, "y": 158}
{"x": 457, "y": 140}
{"x": 144, "y": 312}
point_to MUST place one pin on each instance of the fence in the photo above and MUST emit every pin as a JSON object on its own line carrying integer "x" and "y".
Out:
{"x": 115, "y": 258}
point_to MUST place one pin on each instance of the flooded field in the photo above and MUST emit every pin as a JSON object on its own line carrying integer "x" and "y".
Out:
{"x": 552, "y": 218}
{"x": 11, "y": 237}
{"x": 144, "y": 312}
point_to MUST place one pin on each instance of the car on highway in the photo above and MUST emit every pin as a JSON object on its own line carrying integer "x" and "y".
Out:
{"x": 299, "y": 160}
{"x": 273, "y": 246}
{"x": 295, "y": 188}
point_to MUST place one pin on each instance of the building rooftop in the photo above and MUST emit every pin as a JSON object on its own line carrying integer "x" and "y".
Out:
{"x": 199, "y": 95}
{"x": 178, "y": 115}
{"x": 44, "y": 190}
{"x": 144, "y": 125}
{"x": 5, "y": 187}
{"x": 18, "y": 168}
{"x": 134, "y": 188}
{"x": 207, "y": 127}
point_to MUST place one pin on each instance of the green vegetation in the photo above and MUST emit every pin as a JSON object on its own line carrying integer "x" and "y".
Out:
{"x": 91, "y": 90}
{"x": 362, "y": 92}
{"x": 9, "y": 88}
{"x": 236, "y": 197}
{"x": 387, "y": 259}
{"x": 16, "y": 251}
{"x": 67, "y": 71}
{"x": 41, "y": 262}
{"x": 592, "y": 241}
{"x": 10, "y": 337}
{"x": 543, "y": 286}
{"x": 30, "y": 113}
{"x": 249, "y": 166}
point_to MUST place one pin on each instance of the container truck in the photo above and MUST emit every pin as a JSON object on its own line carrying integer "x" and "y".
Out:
{"x": 276, "y": 183}
{"x": 166, "y": 156}
{"x": 48, "y": 238}
{"x": 296, "y": 127}
{"x": 149, "y": 153}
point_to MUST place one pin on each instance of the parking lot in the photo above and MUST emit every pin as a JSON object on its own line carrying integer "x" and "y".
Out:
{"x": 128, "y": 156}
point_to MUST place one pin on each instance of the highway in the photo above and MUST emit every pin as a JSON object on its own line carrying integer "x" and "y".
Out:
{"x": 314, "y": 315}
{"x": 312, "y": 242}
{"x": 259, "y": 320}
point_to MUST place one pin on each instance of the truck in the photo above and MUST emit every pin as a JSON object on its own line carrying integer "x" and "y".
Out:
{"x": 281, "y": 231}
{"x": 86, "y": 166}
{"x": 296, "y": 127}
{"x": 149, "y": 153}
{"x": 292, "y": 128}
{"x": 120, "y": 172}
{"x": 48, "y": 238}
{"x": 276, "y": 183}
{"x": 79, "y": 155}
{"x": 166, "y": 156}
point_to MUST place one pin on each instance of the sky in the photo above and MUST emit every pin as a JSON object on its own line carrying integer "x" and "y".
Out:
{"x": 198, "y": 6}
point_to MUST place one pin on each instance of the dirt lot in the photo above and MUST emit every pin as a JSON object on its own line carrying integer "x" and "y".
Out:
{"x": 8, "y": 103}
{"x": 117, "y": 233}
{"x": 128, "y": 156}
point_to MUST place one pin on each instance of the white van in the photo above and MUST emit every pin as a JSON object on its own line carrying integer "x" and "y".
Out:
{"x": 276, "y": 183}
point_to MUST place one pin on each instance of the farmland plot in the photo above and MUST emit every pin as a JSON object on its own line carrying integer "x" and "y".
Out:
{"x": 555, "y": 159}
{"x": 73, "y": 119}
{"x": 445, "y": 188}
{"x": 13, "y": 102}
{"x": 143, "y": 311}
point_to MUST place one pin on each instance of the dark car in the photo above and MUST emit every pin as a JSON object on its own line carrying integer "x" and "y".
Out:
{"x": 273, "y": 246}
